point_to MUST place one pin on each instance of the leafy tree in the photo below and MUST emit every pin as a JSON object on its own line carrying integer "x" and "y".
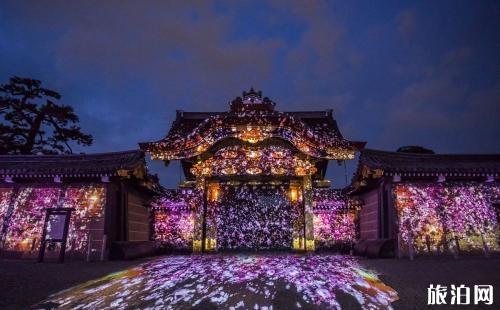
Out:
{"x": 31, "y": 122}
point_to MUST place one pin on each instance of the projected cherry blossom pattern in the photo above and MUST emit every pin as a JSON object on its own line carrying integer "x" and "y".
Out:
{"x": 5, "y": 198}
{"x": 232, "y": 282}
{"x": 333, "y": 200}
{"x": 262, "y": 219}
{"x": 240, "y": 160}
{"x": 174, "y": 229}
{"x": 431, "y": 216}
{"x": 254, "y": 218}
{"x": 335, "y": 218}
{"x": 185, "y": 142}
{"x": 173, "y": 218}
{"x": 24, "y": 222}
{"x": 334, "y": 228}
{"x": 88, "y": 204}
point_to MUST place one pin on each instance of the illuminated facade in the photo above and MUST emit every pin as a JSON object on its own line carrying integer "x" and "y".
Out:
{"x": 107, "y": 193}
{"x": 254, "y": 180}
{"x": 425, "y": 203}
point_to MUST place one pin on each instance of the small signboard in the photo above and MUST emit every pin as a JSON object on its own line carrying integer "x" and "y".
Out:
{"x": 55, "y": 229}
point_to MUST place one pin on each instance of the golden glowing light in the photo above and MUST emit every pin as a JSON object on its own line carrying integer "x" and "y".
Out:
{"x": 229, "y": 154}
{"x": 241, "y": 160}
{"x": 294, "y": 194}
{"x": 300, "y": 171}
{"x": 206, "y": 171}
{"x": 213, "y": 192}
{"x": 254, "y": 154}
{"x": 210, "y": 244}
{"x": 253, "y": 134}
{"x": 229, "y": 170}
{"x": 278, "y": 170}
{"x": 93, "y": 198}
{"x": 254, "y": 170}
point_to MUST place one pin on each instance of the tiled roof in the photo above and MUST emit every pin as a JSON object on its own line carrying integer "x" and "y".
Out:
{"x": 314, "y": 133}
{"x": 81, "y": 165}
{"x": 397, "y": 162}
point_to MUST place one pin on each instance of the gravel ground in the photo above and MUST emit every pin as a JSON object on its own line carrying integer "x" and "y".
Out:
{"x": 412, "y": 278}
{"x": 24, "y": 283}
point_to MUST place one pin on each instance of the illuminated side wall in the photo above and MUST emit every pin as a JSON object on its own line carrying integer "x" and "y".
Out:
{"x": 438, "y": 216}
{"x": 22, "y": 215}
{"x": 173, "y": 218}
{"x": 335, "y": 220}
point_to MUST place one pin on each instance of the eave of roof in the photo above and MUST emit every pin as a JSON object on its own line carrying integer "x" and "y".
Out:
{"x": 192, "y": 133}
{"x": 72, "y": 165}
{"x": 300, "y": 114}
{"x": 374, "y": 164}
{"x": 430, "y": 163}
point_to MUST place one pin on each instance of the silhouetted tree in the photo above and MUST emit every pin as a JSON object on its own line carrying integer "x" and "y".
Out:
{"x": 32, "y": 123}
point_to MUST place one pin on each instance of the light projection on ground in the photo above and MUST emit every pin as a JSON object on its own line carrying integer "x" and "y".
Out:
{"x": 271, "y": 281}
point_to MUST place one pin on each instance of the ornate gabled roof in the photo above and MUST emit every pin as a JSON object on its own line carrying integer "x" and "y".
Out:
{"x": 81, "y": 165}
{"x": 253, "y": 119}
{"x": 374, "y": 164}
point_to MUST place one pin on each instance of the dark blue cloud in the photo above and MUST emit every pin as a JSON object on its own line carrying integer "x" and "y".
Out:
{"x": 395, "y": 73}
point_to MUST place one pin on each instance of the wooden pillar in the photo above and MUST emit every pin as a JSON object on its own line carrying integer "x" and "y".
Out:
{"x": 308, "y": 213}
{"x": 298, "y": 233}
{"x": 198, "y": 217}
{"x": 213, "y": 192}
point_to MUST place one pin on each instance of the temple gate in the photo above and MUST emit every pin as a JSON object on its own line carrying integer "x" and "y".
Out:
{"x": 255, "y": 171}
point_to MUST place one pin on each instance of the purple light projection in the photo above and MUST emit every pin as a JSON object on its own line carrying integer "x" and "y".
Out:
{"x": 431, "y": 216}
{"x": 254, "y": 218}
{"x": 5, "y": 198}
{"x": 24, "y": 222}
{"x": 173, "y": 218}
{"x": 232, "y": 282}
{"x": 335, "y": 218}
{"x": 332, "y": 228}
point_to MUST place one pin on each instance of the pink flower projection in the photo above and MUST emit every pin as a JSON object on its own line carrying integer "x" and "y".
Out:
{"x": 431, "y": 213}
{"x": 232, "y": 282}
{"x": 251, "y": 217}
{"x": 335, "y": 227}
{"x": 26, "y": 222}
{"x": 254, "y": 218}
{"x": 25, "y": 217}
{"x": 335, "y": 218}
{"x": 173, "y": 228}
{"x": 173, "y": 218}
{"x": 88, "y": 202}
{"x": 5, "y": 199}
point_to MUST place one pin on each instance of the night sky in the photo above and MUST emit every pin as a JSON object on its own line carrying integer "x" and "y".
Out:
{"x": 417, "y": 73}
